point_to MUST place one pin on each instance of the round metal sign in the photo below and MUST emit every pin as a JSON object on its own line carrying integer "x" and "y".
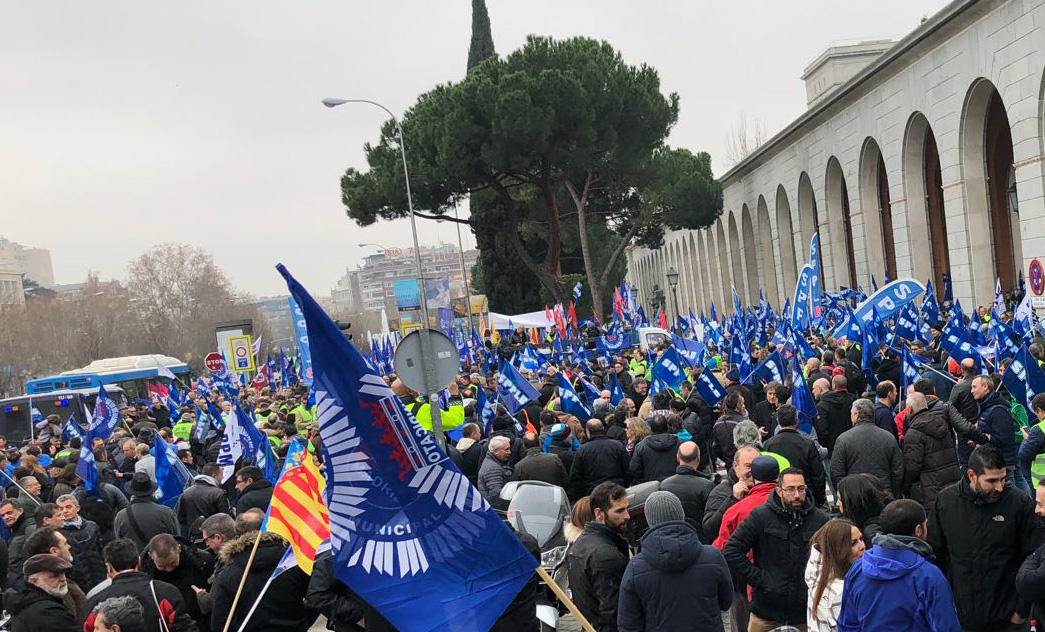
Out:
{"x": 1036, "y": 276}
{"x": 407, "y": 361}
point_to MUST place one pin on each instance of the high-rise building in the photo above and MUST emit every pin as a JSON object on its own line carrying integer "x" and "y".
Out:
{"x": 28, "y": 263}
{"x": 276, "y": 312}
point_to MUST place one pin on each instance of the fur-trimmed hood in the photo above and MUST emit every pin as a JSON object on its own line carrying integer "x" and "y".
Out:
{"x": 244, "y": 543}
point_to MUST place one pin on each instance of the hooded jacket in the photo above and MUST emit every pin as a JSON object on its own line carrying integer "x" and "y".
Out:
{"x": 929, "y": 460}
{"x": 597, "y": 561}
{"x": 283, "y": 608}
{"x": 33, "y": 610}
{"x": 692, "y": 488}
{"x": 895, "y": 588}
{"x": 980, "y": 547}
{"x": 675, "y": 583}
{"x": 779, "y": 539}
{"x": 834, "y": 416}
{"x": 471, "y": 452}
{"x": 204, "y": 498}
{"x": 654, "y": 458}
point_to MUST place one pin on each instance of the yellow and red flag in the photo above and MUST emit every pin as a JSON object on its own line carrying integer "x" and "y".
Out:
{"x": 297, "y": 511}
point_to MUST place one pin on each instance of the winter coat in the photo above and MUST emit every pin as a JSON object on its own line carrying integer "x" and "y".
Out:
{"x": 884, "y": 419}
{"x": 996, "y": 421}
{"x": 202, "y": 499}
{"x": 492, "y": 476}
{"x": 980, "y": 547}
{"x": 566, "y": 450}
{"x": 541, "y": 466}
{"x": 20, "y": 532}
{"x": 824, "y": 617}
{"x": 675, "y": 583}
{"x": 740, "y": 510}
{"x": 283, "y": 608}
{"x": 194, "y": 569}
{"x": 596, "y": 564}
{"x": 692, "y": 487}
{"x": 600, "y": 459}
{"x": 137, "y": 584}
{"x": 653, "y": 458}
{"x": 801, "y": 452}
{"x": 834, "y": 416}
{"x": 963, "y": 401}
{"x": 150, "y": 517}
{"x": 719, "y": 501}
{"x": 471, "y": 458}
{"x": 744, "y": 392}
{"x": 764, "y": 415}
{"x": 33, "y": 610}
{"x": 723, "y": 430}
{"x": 102, "y": 508}
{"x": 867, "y": 448}
{"x": 88, "y": 566}
{"x": 962, "y": 427}
{"x": 895, "y": 588}
{"x": 257, "y": 494}
{"x": 336, "y": 601}
{"x": 779, "y": 539}
{"x": 1030, "y": 581}
{"x": 518, "y": 449}
{"x": 929, "y": 460}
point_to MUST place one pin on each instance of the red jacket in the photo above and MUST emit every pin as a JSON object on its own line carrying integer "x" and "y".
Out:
{"x": 736, "y": 514}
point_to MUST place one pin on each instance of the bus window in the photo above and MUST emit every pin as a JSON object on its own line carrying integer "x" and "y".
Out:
{"x": 14, "y": 421}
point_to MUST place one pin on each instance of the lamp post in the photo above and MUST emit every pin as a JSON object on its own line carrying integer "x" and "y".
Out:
{"x": 673, "y": 281}
{"x": 464, "y": 271}
{"x": 427, "y": 355}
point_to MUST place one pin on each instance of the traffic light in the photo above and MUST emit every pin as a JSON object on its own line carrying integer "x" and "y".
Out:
{"x": 344, "y": 327}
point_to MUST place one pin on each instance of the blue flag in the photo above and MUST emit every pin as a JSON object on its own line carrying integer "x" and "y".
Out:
{"x": 513, "y": 390}
{"x": 486, "y": 411}
{"x": 72, "y": 429}
{"x": 800, "y": 307}
{"x": 1024, "y": 378}
{"x": 815, "y": 291}
{"x": 577, "y": 291}
{"x": 771, "y": 369}
{"x": 692, "y": 351}
{"x": 570, "y": 401}
{"x": 948, "y": 288}
{"x": 104, "y": 420}
{"x": 669, "y": 369}
{"x": 171, "y": 474}
{"x": 590, "y": 392}
{"x": 802, "y": 400}
{"x": 709, "y": 388}
{"x": 910, "y": 369}
{"x": 887, "y": 301}
{"x": 616, "y": 392}
{"x": 930, "y": 308}
{"x": 406, "y": 526}
{"x": 611, "y": 343}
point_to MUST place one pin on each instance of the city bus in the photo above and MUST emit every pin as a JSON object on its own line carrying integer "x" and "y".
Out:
{"x": 129, "y": 373}
{"x": 16, "y": 413}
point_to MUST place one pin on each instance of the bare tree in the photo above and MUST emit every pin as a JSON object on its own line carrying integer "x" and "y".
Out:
{"x": 740, "y": 141}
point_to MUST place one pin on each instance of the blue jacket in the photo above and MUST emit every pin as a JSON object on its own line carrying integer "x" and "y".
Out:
{"x": 894, "y": 588}
{"x": 996, "y": 420}
{"x": 674, "y": 584}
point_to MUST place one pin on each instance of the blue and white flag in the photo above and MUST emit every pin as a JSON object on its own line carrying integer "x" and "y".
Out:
{"x": 171, "y": 474}
{"x": 1024, "y": 378}
{"x": 930, "y": 308}
{"x": 513, "y": 390}
{"x": 1005, "y": 340}
{"x": 769, "y": 370}
{"x": 709, "y": 388}
{"x": 815, "y": 290}
{"x": 206, "y": 427}
{"x": 406, "y": 526}
{"x": 802, "y": 399}
{"x": 105, "y": 419}
{"x": 910, "y": 369}
{"x": 692, "y": 351}
{"x": 590, "y": 392}
{"x": 887, "y": 301}
{"x": 570, "y": 401}
{"x": 800, "y": 307}
{"x": 577, "y": 291}
{"x": 302, "y": 337}
{"x": 72, "y": 429}
{"x": 485, "y": 410}
{"x": 737, "y": 309}
{"x": 907, "y": 323}
{"x": 670, "y": 369}
{"x": 1023, "y": 319}
{"x": 612, "y": 343}
{"x": 616, "y": 392}
{"x": 238, "y": 442}
{"x": 999, "y": 297}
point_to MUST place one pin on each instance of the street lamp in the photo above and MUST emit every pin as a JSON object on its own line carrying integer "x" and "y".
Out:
{"x": 673, "y": 281}
{"x": 656, "y": 298}
{"x": 374, "y": 245}
{"x": 427, "y": 354}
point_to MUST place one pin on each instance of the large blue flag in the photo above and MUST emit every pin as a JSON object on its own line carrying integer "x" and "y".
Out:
{"x": 669, "y": 369}
{"x": 485, "y": 410}
{"x": 692, "y": 351}
{"x": 103, "y": 422}
{"x": 171, "y": 474}
{"x": 590, "y": 392}
{"x": 770, "y": 370}
{"x": 709, "y": 388}
{"x": 409, "y": 534}
{"x": 513, "y": 390}
{"x": 1024, "y": 378}
{"x": 570, "y": 401}
{"x": 802, "y": 399}
{"x": 72, "y": 429}
{"x": 886, "y": 301}
{"x": 815, "y": 290}
{"x": 302, "y": 338}
{"x": 800, "y": 307}
{"x": 910, "y": 369}
{"x": 616, "y": 392}
{"x": 612, "y": 343}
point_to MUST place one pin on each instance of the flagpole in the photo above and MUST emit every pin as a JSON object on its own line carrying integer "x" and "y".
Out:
{"x": 566, "y": 601}
{"x": 242, "y": 581}
{"x": 11, "y": 478}
{"x": 257, "y": 601}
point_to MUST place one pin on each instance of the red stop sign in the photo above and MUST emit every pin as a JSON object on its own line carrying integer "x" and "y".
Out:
{"x": 213, "y": 361}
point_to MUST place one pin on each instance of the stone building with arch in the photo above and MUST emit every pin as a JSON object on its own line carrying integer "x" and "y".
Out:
{"x": 927, "y": 160}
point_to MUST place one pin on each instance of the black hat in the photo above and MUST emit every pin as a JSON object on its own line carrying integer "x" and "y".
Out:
{"x": 59, "y": 462}
{"x": 142, "y": 485}
{"x": 45, "y": 563}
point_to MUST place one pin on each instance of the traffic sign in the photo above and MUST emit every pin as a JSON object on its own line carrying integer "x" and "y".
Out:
{"x": 213, "y": 362}
{"x": 408, "y": 367}
{"x": 242, "y": 353}
{"x": 1036, "y": 276}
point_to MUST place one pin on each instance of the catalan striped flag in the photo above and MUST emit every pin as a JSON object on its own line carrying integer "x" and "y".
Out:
{"x": 297, "y": 512}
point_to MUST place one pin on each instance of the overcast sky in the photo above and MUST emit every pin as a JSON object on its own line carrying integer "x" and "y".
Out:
{"x": 127, "y": 124}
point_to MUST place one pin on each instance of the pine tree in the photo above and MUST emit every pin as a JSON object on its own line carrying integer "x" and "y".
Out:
{"x": 482, "y": 39}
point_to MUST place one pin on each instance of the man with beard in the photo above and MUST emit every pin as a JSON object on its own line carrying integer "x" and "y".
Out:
{"x": 981, "y": 531}
{"x": 599, "y": 556}
{"x": 35, "y": 602}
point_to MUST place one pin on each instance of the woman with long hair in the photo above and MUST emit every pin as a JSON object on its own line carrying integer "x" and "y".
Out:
{"x": 636, "y": 430}
{"x": 861, "y": 498}
{"x": 833, "y": 549}
{"x": 581, "y": 515}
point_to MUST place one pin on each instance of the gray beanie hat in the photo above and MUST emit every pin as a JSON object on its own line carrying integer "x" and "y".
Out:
{"x": 663, "y": 507}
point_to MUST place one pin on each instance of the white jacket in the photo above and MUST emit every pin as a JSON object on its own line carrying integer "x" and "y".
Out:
{"x": 825, "y": 618}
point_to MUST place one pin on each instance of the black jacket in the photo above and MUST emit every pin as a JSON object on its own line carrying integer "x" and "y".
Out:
{"x": 886, "y": 420}
{"x": 335, "y": 601}
{"x": 101, "y": 508}
{"x": 600, "y": 459}
{"x": 745, "y": 392}
{"x": 1030, "y": 581}
{"x": 20, "y": 532}
{"x": 653, "y": 458}
{"x": 33, "y": 610}
{"x": 867, "y": 448}
{"x": 764, "y": 415}
{"x": 596, "y": 563}
{"x": 723, "y": 430}
{"x": 929, "y": 460}
{"x": 961, "y": 426}
{"x": 150, "y": 517}
{"x": 136, "y": 584}
{"x": 194, "y": 569}
{"x": 257, "y": 494}
{"x": 996, "y": 420}
{"x": 780, "y": 541}
{"x": 471, "y": 459}
{"x": 963, "y": 401}
{"x": 719, "y": 500}
{"x": 541, "y": 466}
{"x": 692, "y": 487}
{"x": 980, "y": 546}
{"x": 834, "y": 416}
{"x": 675, "y": 583}
{"x": 204, "y": 498}
{"x": 88, "y": 566}
{"x": 802, "y": 453}
{"x": 283, "y": 607}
